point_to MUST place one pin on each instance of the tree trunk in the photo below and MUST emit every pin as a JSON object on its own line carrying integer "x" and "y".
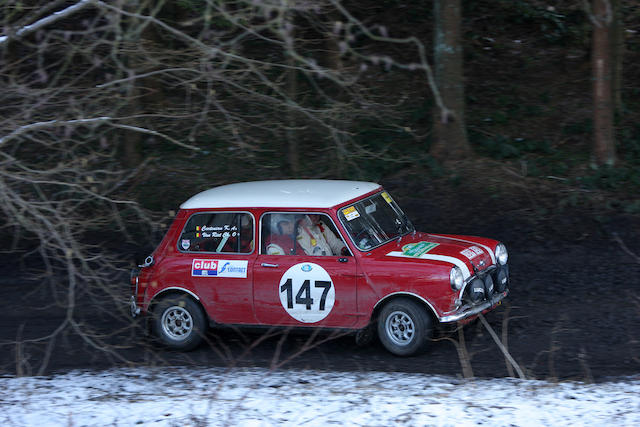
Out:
{"x": 604, "y": 144}
{"x": 137, "y": 34}
{"x": 617, "y": 54}
{"x": 131, "y": 148}
{"x": 339, "y": 120}
{"x": 450, "y": 135}
{"x": 291, "y": 134}
{"x": 293, "y": 156}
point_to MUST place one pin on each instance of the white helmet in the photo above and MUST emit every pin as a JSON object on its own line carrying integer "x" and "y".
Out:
{"x": 278, "y": 218}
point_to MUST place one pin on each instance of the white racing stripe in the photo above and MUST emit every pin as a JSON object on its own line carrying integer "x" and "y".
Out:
{"x": 486, "y": 248}
{"x": 452, "y": 260}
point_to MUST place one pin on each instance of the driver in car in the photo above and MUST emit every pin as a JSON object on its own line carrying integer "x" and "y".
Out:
{"x": 282, "y": 240}
{"x": 316, "y": 238}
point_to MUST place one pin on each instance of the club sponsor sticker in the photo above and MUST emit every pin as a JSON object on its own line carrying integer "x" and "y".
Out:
{"x": 472, "y": 252}
{"x": 306, "y": 292}
{"x": 186, "y": 244}
{"x": 350, "y": 213}
{"x": 417, "y": 249}
{"x": 219, "y": 268}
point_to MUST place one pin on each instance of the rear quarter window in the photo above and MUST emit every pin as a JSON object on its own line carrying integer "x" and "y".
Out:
{"x": 218, "y": 232}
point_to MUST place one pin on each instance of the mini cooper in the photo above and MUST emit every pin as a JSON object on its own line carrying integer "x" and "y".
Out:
{"x": 325, "y": 254}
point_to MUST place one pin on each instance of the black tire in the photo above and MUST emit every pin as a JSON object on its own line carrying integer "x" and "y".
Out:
{"x": 179, "y": 323}
{"x": 405, "y": 327}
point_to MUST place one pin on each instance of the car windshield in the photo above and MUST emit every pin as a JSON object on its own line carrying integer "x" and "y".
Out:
{"x": 374, "y": 221}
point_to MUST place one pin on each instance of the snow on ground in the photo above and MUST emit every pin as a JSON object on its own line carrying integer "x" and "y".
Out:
{"x": 258, "y": 397}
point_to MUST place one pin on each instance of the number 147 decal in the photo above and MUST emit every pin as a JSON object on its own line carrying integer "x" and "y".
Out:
{"x": 304, "y": 293}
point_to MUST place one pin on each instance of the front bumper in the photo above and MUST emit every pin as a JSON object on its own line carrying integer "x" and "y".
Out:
{"x": 467, "y": 311}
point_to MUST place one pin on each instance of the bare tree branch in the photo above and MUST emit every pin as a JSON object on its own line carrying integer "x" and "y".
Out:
{"x": 502, "y": 348}
{"x": 41, "y": 23}
{"x": 624, "y": 247}
{"x": 40, "y": 125}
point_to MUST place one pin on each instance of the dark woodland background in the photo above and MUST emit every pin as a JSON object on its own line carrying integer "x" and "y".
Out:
{"x": 514, "y": 119}
{"x": 127, "y": 105}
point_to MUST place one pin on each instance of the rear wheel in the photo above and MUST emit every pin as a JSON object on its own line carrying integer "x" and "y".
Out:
{"x": 405, "y": 327}
{"x": 179, "y": 323}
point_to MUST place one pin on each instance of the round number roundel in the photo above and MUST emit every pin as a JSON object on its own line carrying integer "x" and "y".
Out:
{"x": 307, "y": 292}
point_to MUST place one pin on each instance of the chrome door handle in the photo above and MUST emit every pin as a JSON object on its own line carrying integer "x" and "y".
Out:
{"x": 265, "y": 264}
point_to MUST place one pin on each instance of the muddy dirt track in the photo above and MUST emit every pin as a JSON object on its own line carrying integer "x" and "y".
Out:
{"x": 573, "y": 311}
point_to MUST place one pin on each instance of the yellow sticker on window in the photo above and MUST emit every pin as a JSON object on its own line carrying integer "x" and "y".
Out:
{"x": 350, "y": 213}
{"x": 387, "y": 197}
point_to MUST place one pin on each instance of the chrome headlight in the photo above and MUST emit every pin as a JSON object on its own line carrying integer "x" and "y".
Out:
{"x": 456, "y": 279}
{"x": 502, "y": 256}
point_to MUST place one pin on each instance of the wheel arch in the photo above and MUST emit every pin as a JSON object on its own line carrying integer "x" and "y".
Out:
{"x": 175, "y": 291}
{"x": 409, "y": 295}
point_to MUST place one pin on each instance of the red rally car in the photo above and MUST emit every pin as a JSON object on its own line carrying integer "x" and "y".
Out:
{"x": 312, "y": 253}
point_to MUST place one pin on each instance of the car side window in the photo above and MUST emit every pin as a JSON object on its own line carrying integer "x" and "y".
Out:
{"x": 226, "y": 232}
{"x": 301, "y": 234}
{"x": 279, "y": 234}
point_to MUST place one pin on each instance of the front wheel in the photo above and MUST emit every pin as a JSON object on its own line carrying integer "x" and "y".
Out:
{"x": 405, "y": 327}
{"x": 179, "y": 323}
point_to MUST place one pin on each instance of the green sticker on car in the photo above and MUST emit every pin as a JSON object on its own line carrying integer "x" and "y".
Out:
{"x": 417, "y": 249}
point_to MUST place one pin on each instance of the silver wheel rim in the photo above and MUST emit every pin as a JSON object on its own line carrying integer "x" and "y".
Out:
{"x": 400, "y": 328}
{"x": 177, "y": 323}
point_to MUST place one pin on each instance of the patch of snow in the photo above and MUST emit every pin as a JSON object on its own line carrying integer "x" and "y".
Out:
{"x": 259, "y": 397}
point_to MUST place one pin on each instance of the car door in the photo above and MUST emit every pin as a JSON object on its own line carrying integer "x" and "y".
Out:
{"x": 292, "y": 288}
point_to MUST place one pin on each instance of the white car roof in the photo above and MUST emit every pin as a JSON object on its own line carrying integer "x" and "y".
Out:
{"x": 292, "y": 193}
